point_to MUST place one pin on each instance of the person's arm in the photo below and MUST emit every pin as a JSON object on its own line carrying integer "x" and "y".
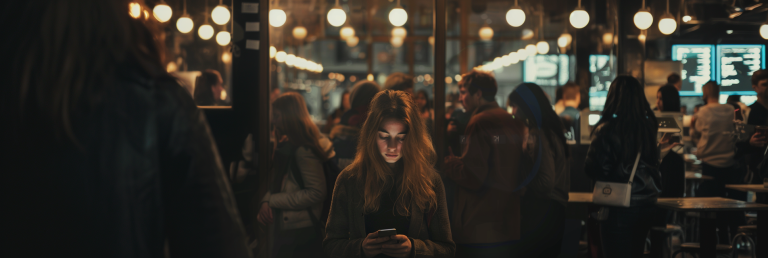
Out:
{"x": 471, "y": 169}
{"x": 314, "y": 191}
{"x": 337, "y": 242}
{"x": 601, "y": 160}
{"x": 440, "y": 243}
{"x": 544, "y": 182}
{"x": 201, "y": 219}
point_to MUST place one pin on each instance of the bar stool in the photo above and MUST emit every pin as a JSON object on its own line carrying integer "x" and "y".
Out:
{"x": 744, "y": 234}
{"x": 669, "y": 230}
{"x": 693, "y": 248}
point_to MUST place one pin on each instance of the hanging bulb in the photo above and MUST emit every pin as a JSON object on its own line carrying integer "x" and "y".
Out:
{"x": 687, "y": 18}
{"x": 220, "y": 14}
{"x": 337, "y": 16}
{"x": 226, "y": 57}
{"x": 579, "y": 18}
{"x": 290, "y": 60}
{"x": 764, "y": 31}
{"x": 398, "y": 16}
{"x": 346, "y": 32}
{"x": 607, "y": 38}
{"x": 399, "y": 32}
{"x": 515, "y": 17}
{"x": 299, "y": 32}
{"x": 542, "y": 47}
{"x": 185, "y": 24}
{"x": 272, "y": 51}
{"x": 564, "y": 40}
{"x": 352, "y": 41}
{"x": 223, "y": 38}
{"x": 280, "y": 56}
{"x": 134, "y": 9}
{"x": 162, "y": 12}
{"x": 522, "y": 54}
{"x": 531, "y": 49}
{"x": 277, "y": 17}
{"x": 486, "y": 33}
{"x": 667, "y": 24}
{"x": 396, "y": 42}
{"x": 205, "y": 32}
{"x": 643, "y": 19}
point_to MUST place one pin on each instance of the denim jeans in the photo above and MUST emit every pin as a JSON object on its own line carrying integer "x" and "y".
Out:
{"x": 624, "y": 232}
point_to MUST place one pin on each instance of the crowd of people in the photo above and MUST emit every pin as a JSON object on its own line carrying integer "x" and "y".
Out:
{"x": 112, "y": 158}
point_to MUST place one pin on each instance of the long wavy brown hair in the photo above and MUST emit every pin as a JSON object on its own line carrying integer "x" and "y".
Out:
{"x": 292, "y": 119}
{"x": 415, "y": 188}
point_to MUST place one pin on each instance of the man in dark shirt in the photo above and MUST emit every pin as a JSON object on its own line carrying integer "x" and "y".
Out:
{"x": 753, "y": 149}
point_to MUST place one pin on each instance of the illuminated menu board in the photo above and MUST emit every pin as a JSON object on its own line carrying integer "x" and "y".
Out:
{"x": 547, "y": 70}
{"x": 737, "y": 63}
{"x": 602, "y": 72}
{"x": 698, "y": 66}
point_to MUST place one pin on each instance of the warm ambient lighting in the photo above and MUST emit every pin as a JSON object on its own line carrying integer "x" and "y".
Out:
{"x": 515, "y": 16}
{"x": 396, "y": 42}
{"x": 220, "y": 14}
{"x": 522, "y": 54}
{"x": 226, "y": 57}
{"x": 280, "y": 56}
{"x": 579, "y": 18}
{"x": 205, "y": 32}
{"x": 223, "y": 38}
{"x": 564, "y": 40}
{"x": 643, "y": 19}
{"x": 687, "y": 18}
{"x": 346, "y": 32}
{"x": 398, "y": 16}
{"x": 162, "y": 12}
{"x": 272, "y": 51}
{"x": 277, "y": 17}
{"x": 185, "y": 24}
{"x": 134, "y": 9}
{"x": 486, "y": 33}
{"x": 399, "y": 32}
{"x": 290, "y": 60}
{"x": 667, "y": 24}
{"x": 542, "y": 47}
{"x": 352, "y": 41}
{"x": 764, "y": 31}
{"x": 431, "y": 40}
{"x": 299, "y": 32}
{"x": 370, "y": 77}
{"x": 337, "y": 16}
{"x": 531, "y": 49}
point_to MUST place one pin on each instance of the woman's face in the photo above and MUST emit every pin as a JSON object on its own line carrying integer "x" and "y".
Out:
{"x": 421, "y": 100}
{"x": 390, "y": 139}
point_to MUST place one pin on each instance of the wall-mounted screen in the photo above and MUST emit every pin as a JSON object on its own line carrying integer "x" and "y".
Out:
{"x": 736, "y": 65}
{"x": 601, "y": 69}
{"x": 547, "y": 70}
{"x": 698, "y": 66}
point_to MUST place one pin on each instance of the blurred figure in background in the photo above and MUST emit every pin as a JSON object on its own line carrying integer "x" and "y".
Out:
{"x": 344, "y": 135}
{"x": 676, "y": 81}
{"x": 570, "y": 114}
{"x": 399, "y": 81}
{"x": 298, "y": 189}
{"x": 335, "y": 117}
{"x": 208, "y": 88}
{"x": 111, "y": 157}
{"x": 485, "y": 216}
{"x": 424, "y": 104}
{"x": 559, "y": 102}
{"x": 625, "y": 132}
{"x": 672, "y": 166}
{"x": 711, "y": 131}
{"x": 752, "y": 149}
{"x": 742, "y": 110}
{"x": 546, "y": 196}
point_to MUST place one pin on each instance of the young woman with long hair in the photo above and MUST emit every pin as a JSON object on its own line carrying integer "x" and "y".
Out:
{"x": 390, "y": 184}
{"x": 294, "y": 194}
{"x": 111, "y": 157}
{"x": 627, "y": 127}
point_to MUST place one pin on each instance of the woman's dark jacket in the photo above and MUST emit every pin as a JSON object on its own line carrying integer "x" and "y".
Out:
{"x": 145, "y": 171}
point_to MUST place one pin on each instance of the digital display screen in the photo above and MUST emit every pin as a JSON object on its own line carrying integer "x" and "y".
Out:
{"x": 602, "y": 72}
{"x": 593, "y": 119}
{"x": 547, "y": 70}
{"x": 736, "y": 65}
{"x": 698, "y": 66}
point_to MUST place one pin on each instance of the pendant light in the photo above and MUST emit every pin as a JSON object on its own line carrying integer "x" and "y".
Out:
{"x": 346, "y": 32}
{"x": 280, "y": 56}
{"x": 272, "y": 52}
{"x": 542, "y": 47}
{"x": 223, "y": 38}
{"x": 134, "y": 9}
{"x": 299, "y": 32}
{"x": 531, "y": 49}
{"x": 686, "y": 17}
{"x": 515, "y": 16}
{"x": 398, "y": 16}
{"x": 764, "y": 30}
{"x": 643, "y": 18}
{"x": 352, "y": 41}
{"x": 396, "y": 42}
{"x": 522, "y": 54}
{"x": 277, "y": 16}
{"x": 185, "y": 23}
{"x": 579, "y": 17}
{"x": 399, "y": 32}
{"x": 337, "y": 16}
{"x": 565, "y": 39}
{"x": 206, "y": 30}
{"x": 220, "y": 14}
{"x": 667, "y": 24}
{"x": 486, "y": 33}
{"x": 162, "y": 12}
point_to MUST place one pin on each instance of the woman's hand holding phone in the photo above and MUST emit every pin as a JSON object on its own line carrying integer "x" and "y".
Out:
{"x": 399, "y": 246}
{"x": 372, "y": 244}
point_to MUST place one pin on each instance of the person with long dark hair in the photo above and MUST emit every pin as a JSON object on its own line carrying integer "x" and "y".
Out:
{"x": 298, "y": 189}
{"x": 111, "y": 157}
{"x": 546, "y": 196}
{"x": 208, "y": 88}
{"x": 390, "y": 185}
{"x": 627, "y": 127}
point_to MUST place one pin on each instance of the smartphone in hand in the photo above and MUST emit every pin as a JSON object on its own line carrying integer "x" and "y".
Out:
{"x": 387, "y": 232}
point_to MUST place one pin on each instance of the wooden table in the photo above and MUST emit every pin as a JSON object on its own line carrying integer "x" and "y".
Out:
{"x": 708, "y": 208}
{"x": 762, "y": 215}
{"x": 577, "y": 197}
{"x": 692, "y": 181}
